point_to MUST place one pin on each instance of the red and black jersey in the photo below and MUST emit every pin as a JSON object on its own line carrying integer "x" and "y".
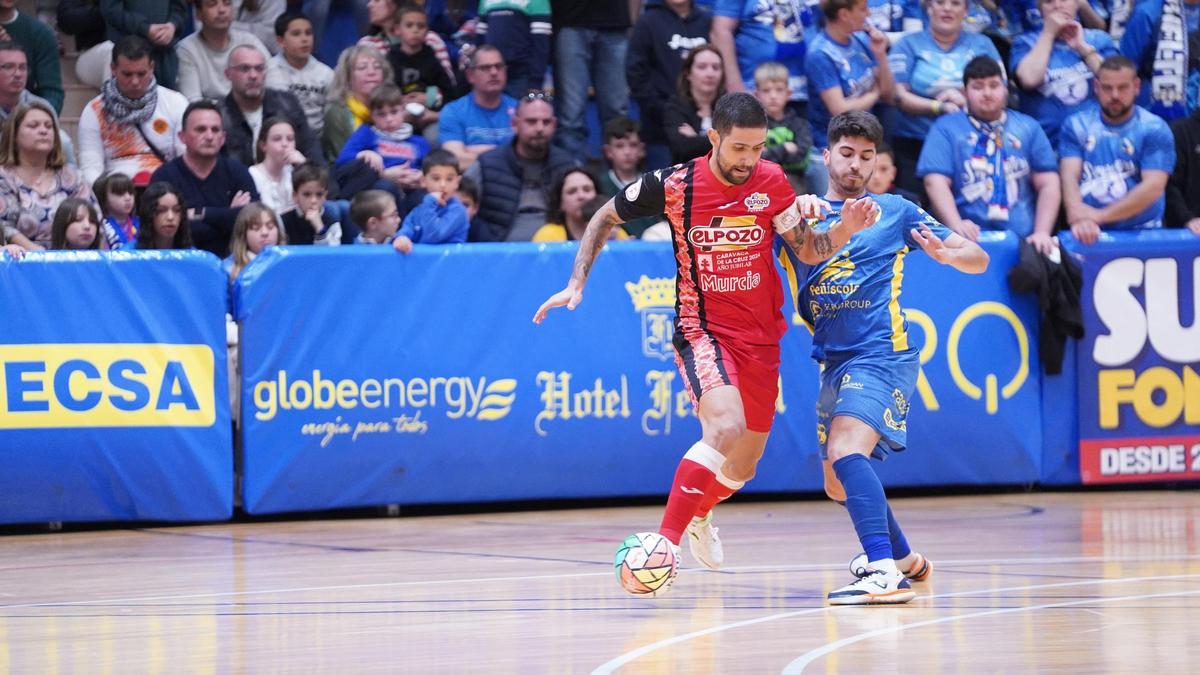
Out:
{"x": 726, "y": 282}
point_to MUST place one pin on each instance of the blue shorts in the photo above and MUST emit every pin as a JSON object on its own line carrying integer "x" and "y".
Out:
{"x": 872, "y": 388}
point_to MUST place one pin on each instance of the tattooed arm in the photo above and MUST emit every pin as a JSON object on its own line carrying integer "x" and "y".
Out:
{"x": 599, "y": 228}
{"x": 812, "y": 247}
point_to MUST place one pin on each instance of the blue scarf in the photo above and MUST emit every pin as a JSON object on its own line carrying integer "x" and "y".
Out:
{"x": 989, "y": 156}
{"x": 1168, "y": 82}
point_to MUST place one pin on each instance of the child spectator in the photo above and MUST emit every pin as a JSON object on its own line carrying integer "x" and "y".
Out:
{"x": 883, "y": 181}
{"x": 375, "y": 213}
{"x": 418, "y": 73}
{"x": 295, "y": 69}
{"x": 256, "y": 228}
{"x": 625, "y": 154}
{"x": 76, "y": 226}
{"x": 162, "y": 210}
{"x": 468, "y": 194}
{"x": 440, "y": 218}
{"x": 310, "y": 222}
{"x": 388, "y": 148}
{"x": 276, "y": 153}
{"x": 114, "y": 194}
{"x": 789, "y": 136}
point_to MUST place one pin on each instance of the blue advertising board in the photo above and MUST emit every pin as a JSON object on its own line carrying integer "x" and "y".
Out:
{"x": 114, "y": 403}
{"x": 370, "y": 377}
{"x": 1139, "y": 391}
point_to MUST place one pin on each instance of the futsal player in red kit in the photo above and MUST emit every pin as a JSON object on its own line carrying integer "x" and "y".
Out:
{"x": 724, "y": 210}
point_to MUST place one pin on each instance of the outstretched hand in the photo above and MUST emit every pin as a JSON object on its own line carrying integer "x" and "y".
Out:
{"x": 935, "y": 248}
{"x": 812, "y": 207}
{"x": 570, "y": 297}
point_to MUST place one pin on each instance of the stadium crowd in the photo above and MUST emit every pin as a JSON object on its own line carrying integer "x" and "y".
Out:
{"x": 217, "y": 126}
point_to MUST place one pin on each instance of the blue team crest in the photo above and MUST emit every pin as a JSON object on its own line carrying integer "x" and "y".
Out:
{"x": 654, "y": 299}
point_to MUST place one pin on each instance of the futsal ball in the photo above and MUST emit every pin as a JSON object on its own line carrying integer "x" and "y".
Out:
{"x": 645, "y": 564}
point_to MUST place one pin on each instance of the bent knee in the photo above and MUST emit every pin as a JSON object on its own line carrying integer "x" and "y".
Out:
{"x": 726, "y": 430}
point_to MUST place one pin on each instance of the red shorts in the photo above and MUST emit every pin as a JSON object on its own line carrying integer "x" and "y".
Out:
{"x": 706, "y": 362}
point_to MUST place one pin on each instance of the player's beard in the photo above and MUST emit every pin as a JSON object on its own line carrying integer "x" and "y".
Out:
{"x": 854, "y": 188}
{"x": 727, "y": 174}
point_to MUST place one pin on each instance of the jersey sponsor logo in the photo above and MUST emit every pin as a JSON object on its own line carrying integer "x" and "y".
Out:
{"x": 892, "y": 423}
{"x": 727, "y": 233}
{"x": 847, "y": 383}
{"x": 654, "y": 299}
{"x": 757, "y": 202}
{"x": 745, "y": 282}
{"x": 838, "y": 268}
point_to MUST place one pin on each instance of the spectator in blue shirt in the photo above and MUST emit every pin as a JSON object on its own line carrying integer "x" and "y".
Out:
{"x": 1115, "y": 159}
{"x": 928, "y": 67}
{"x": 846, "y": 66}
{"x": 1055, "y": 65}
{"x": 1155, "y": 39}
{"x": 991, "y": 168}
{"x": 481, "y": 120}
{"x": 749, "y": 32}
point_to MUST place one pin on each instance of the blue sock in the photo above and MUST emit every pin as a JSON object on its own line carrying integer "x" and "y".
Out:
{"x": 867, "y": 505}
{"x": 900, "y": 547}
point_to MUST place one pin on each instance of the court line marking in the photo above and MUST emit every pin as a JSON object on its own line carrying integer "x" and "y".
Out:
{"x": 797, "y": 666}
{"x": 571, "y": 575}
{"x": 629, "y": 657}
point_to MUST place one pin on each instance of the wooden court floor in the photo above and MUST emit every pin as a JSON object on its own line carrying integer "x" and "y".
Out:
{"x": 1068, "y": 582}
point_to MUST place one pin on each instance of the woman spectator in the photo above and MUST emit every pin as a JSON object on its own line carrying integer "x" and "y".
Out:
{"x": 928, "y": 68}
{"x": 276, "y": 153}
{"x": 573, "y": 191}
{"x": 688, "y": 116}
{"x": 34, "y": 176}
{"x": 359, "y": 70}
{"x": 162, "y": 212}
{"x": 1055, "y": 65}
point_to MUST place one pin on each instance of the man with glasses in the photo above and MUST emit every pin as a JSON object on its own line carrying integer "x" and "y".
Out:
{"x": 249, "y": 102}
{"x": 133, "y": 125}
{"x": 513, "y": 177}
{"x": 14, "y": 74}
{"x": 204, "y": 54}
{"x": 481, "y": 120}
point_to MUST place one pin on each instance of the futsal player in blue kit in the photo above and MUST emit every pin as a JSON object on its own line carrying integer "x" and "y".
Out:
{"x": 868, "y": 365}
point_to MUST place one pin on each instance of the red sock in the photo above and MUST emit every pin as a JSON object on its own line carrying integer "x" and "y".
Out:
{"x": 721, "y": 489}
{"x": 693, "y": 480}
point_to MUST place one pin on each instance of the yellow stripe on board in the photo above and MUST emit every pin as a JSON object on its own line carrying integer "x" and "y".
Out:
{"x": 899, "y": 335}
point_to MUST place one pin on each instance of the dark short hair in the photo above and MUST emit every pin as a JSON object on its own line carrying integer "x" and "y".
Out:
{"x": 981, "y": 68}
{"x": 481, "y": 50}
{"x": 439, "y": 158}
{"x": 620, "y": 127}
{"x": 738, "y": 109}
{"x": 885, "y": 149}
{"x": 855, "y": 124}
{"x": 115, "y": 183}
{"x": 133, "y": 48}
{"x": 368, "y": 204}
{"x": 285, "y": 20}
{"x": 202, "y": 104}
{"x": 1118, "y": 62}
{"x": 309, "y": 173}
{"x": 10, "y": 46}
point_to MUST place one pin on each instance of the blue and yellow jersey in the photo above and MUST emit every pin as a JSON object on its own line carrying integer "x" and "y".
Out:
{"x": 851, "y": 302}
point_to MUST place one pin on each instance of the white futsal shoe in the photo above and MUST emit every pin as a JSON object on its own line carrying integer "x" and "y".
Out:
{"x": 918, "y": 570}
{"x": 704, "y": 543}
{"x": 876, "y": 587}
